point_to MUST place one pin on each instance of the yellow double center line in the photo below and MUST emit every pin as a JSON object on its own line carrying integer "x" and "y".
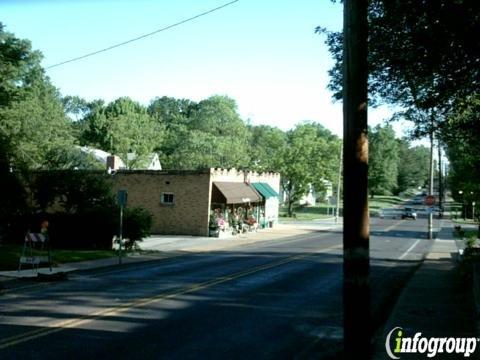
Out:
{"x": 72, "y": 323}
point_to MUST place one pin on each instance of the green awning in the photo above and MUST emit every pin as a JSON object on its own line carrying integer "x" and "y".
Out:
{"x": 265, "y": 190}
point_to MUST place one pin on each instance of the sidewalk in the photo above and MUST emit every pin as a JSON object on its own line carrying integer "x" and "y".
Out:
{"x": 167, "y": 246}
{"x": 437, "y": 301}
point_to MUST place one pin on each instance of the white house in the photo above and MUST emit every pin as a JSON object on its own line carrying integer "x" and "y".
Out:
{"x": 114, "y": 162}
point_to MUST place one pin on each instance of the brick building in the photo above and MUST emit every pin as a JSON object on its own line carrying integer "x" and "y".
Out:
{"x": 181, "y": 200}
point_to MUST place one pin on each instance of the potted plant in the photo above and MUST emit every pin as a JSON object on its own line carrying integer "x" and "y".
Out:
{"x": 213, "y": 226}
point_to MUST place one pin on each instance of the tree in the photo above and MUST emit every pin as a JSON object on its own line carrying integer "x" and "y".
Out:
{"x": 175, "y": 115}
{"x": 75, "y": 106}
{"x": 73, "y": 191}
{"x": 123, "y": 127}
{"x": 267, "y": 147}
{"x": 218, "y": 116}
{"x": 463, "y": 150}
{"x": 195, "y": 149}
{"x": 413, "y": 166}
{"x": 171, "y": 111}
{"x": 207, "y": 134}
{"x": 311, "y": 155}
{"x": 72, "y": 157}
{"x": 19, "y": 67}
{"x": 327, "y": 161}
{"x": 382, "y": 160}
{"x": 32, "y": 119}
{"x": 421, "y": 56}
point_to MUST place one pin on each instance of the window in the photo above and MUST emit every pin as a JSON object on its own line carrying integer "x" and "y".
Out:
{"x": 167, "y": 198}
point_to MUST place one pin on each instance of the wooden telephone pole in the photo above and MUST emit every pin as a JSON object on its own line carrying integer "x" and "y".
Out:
{"x": 356, "y": 258}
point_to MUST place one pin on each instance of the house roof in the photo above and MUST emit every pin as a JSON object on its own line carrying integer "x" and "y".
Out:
{"x": 152, "y": 162}
{"x": 237, "y": 192}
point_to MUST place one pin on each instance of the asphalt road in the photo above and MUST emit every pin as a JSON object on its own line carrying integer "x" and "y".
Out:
{"x": 276, "y": 299}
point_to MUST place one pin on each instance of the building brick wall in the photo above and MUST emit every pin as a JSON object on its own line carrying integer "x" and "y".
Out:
{"x": 190, "y": 211}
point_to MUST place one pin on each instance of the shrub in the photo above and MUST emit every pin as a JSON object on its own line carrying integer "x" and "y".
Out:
{"x": 13, "y": 205}
{"x": 74, "y": 191}
{"x": 81, "y": 210}
{"x": 79, "y": 206}
{"x": 137, "y": 223}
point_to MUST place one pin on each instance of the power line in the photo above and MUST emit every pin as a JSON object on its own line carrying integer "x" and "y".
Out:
{"x": 142, "y": 36}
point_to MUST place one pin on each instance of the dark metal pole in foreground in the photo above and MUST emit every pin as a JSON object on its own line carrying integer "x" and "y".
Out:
{"x": 356, "y": 261}
{"x": 440, "y": 178}
{"x": 122, "y": 201}
{"x": 430, "y": 190}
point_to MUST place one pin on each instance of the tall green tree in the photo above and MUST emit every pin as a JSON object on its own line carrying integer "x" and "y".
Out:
{"x": 123, "y": 127}
{"x": 413, "y": 166}
{"x": 175, "y": 114}
{"x": 208, "y": 134}
{"x": 311, "y": 155}
{"x": 33, "y": 126}
{"x": 267, "y": 146}
{"x": 421, "y": 56}
{"x": 463, "y": 150}
{"x": 171, "y": 111}
{"x": 218, "y": 116}
{"x": 32, "y": 118}
{"x": 75, "y": 107}
{"x": 382, "y": 160}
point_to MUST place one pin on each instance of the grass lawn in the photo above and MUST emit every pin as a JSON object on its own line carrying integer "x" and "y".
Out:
{"x": 307, "y": 213}
{"x": 10, "y": 255}
{"x": 380, "y": 202}
{"x": 460, "y": 221}
{"x": 321, "y": 211}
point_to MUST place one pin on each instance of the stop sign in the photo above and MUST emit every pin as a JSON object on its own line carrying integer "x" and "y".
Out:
{"x": 429, "y": 200}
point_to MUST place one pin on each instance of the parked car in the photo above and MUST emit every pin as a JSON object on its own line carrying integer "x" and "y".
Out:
{"x": 409, "y": 213}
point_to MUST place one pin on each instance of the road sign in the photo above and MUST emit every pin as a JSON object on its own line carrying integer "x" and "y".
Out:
{"x": 122, "y": 197}
{"x": 429, "y": 200}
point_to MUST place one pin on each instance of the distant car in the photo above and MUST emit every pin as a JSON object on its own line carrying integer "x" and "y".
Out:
{"x": 409, "y": 213}
{"x": 418, "y": 200}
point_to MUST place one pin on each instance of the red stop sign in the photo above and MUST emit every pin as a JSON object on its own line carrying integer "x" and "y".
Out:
{"x": 429, "y": 200}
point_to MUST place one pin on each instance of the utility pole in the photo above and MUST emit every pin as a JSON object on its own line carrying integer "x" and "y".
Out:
{"x": 440, "y": 178}
{"x": 122, "y": 202}
{"x": 338, "y": 184}
{"x": 356, "y": 258}
{"x": 430, "y": 192}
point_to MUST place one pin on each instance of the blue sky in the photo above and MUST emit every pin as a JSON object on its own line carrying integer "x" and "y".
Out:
{"x": 264, "y": 54}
